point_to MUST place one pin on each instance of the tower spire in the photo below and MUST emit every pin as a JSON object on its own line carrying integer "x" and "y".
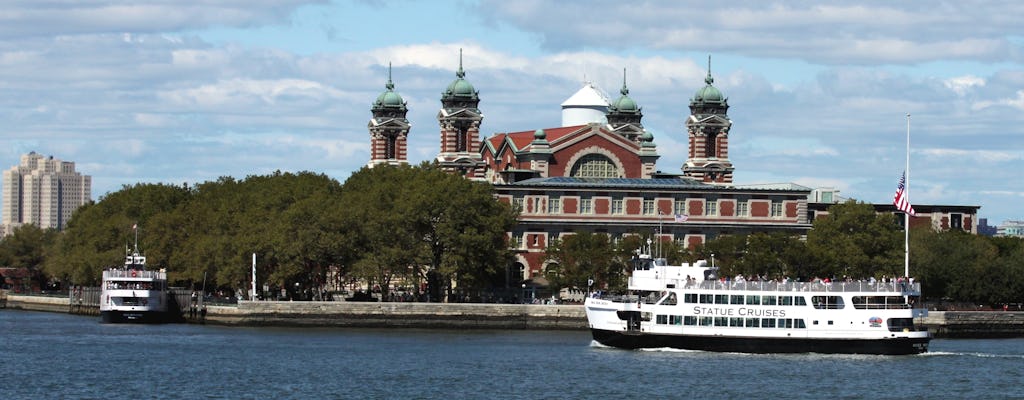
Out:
{"x": 460, "y": 73}
{"x": 709, "y": 80}
{"x": 390, "y": 85}
{"x": 624, "y": 90}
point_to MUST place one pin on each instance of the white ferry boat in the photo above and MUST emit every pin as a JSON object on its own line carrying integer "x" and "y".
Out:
{"x": 133, "y": 294}
{"x": 689, "y": 307}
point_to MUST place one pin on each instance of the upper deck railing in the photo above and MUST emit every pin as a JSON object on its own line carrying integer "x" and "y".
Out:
{"x": 133, "y": 274}
{"x": 903, "y": 288}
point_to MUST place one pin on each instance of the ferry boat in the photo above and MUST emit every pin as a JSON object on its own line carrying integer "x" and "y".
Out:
{"x": 690, "y": 307}
{"x": 132, "y": 293}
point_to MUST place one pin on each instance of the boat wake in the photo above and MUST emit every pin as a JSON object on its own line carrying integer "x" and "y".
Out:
{"x": 977, "y": 355}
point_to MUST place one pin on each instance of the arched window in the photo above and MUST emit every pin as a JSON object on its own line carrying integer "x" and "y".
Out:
{"x": 594, "y": 166}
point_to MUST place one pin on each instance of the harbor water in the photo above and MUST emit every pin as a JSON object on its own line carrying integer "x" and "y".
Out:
{"x": 53, "y": 355}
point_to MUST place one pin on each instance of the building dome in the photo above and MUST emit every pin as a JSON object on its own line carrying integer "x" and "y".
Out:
{"x": 709, "y": 93}
{"x": 390, "y": 98}
{"x": 624, "y": 103}
{"x": 460, "y": 87}
{"x": 539, "y": 134}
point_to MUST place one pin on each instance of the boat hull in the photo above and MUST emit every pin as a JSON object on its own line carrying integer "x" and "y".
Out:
{"x": 134, "y": 317}
{"x": 891, "y": 346}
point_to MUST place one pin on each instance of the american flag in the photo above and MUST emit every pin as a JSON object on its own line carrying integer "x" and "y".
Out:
{"x": 680, "y": 218}
{"x": 900, "y": 200}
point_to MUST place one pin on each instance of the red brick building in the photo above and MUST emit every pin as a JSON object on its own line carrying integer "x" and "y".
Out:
{"x": 597, "y": 172}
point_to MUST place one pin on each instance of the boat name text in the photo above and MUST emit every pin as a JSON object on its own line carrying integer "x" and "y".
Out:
{"x": 739, "y": 312}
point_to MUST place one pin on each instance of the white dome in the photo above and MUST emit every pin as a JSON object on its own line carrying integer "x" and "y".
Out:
{"x": 588, "y": 105}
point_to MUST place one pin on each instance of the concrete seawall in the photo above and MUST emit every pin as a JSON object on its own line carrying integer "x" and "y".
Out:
{"x": 942, "y": 324}
{"x": 404, "y": 315}
{"x": 975, "y": 324}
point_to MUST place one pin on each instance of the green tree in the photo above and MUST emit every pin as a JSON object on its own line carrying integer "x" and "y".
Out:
{"x": 26, "y": 247}
{"x": 580, "y": 257}
{"x": 403, "y": 218}
{"x": 98, "y": 234}
{"x": 854, "y": 240}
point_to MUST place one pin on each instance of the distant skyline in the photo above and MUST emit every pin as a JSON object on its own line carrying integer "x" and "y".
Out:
{"x": 188, "y": 91}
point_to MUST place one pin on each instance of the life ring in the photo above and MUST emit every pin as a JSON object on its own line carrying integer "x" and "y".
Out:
{"x": 133, "y": 273}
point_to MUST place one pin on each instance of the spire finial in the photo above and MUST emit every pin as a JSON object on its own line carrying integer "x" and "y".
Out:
{"x": 460, "y": 73}
{"x": 709, "y": 80}
{"x": 390, "y": 85}
{"x": 624, "y": 90}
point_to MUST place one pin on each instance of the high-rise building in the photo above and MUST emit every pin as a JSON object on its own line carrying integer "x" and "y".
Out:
{"x": 43, "y": 191}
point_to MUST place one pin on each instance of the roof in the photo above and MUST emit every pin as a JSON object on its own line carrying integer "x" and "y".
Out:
{"x": 521, "y": 140}
{"x": 651, "y": 183}
{"x": 566, "y": 181}
{"x": 772, "y": 186}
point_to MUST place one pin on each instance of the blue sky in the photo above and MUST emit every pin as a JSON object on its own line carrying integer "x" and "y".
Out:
{"x": 188, "y": 91}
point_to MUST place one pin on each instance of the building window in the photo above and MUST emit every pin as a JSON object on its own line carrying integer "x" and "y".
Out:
{"x": 956, "y": 221}
{"x": 594, "y": 166}
{"x": 517, "y": 203}
{"x": 648, "y": 207}
{"x": 776, "y": 209}
{"x": 617, "y": 206}
{"x": 680, "y": 207}
{"x": 586, "y": 206}
{"x": 742, "y": 209}
{"x": 554, "y": 206}
{"x": 711, "y": 208}
{"x": 517, "y": 241}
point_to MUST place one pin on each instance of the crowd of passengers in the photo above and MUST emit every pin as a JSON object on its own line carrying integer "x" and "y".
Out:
{"x": 739, "y": 280}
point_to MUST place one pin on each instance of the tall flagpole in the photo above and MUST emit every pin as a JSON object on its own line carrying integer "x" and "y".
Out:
{"x": 906, "y": 215}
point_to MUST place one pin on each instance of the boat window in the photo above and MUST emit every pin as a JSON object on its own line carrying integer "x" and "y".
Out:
{"x": 689, "y": 320}
{"x": 721, "y": 299}
{"x": 669, "y": 300}
{"x": 707, "y": 299}
{"x": 800, "y": 301}
{"x": 768, "y": 323}
{"x": 690, "y": 297}
{"x": 785, "y": 323}
{"x": 800, "y": 324}
{"x": 785, "y": 300}
{"x": 662, "y": 319}
{"x": 753, "y": 322}
{"x": 736, "y": 321}
{"x": 827, "y": 302}
{"x": 879, "y": 302}
{"x": 736, "y": 299}
{"x": 900, "y": 324}
{"x": 753, "y": 300}
{"x": 705, "y": 321}
{"x": 675, "y": 319}
{"x": 768, "y": 300}
{"x": 721, "y": 321}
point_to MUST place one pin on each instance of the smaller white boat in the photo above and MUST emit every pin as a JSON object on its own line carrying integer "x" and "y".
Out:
{"x": 133, "y": 294}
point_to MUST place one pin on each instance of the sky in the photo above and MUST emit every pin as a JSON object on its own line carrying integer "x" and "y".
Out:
{"x": 186, "y": 91}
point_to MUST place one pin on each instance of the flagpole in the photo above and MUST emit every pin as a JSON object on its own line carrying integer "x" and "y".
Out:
{"x": 906, "y": 215}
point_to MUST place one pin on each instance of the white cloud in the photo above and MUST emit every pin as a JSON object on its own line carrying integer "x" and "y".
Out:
{"x": 237, "y": 93}
{"x": 975, "y": 156}
{"x": 1016, "y": 102}
{"x": 961, "y": 84}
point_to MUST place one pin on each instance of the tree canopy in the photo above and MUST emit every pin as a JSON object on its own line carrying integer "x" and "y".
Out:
{"x": 306, "y": 228}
